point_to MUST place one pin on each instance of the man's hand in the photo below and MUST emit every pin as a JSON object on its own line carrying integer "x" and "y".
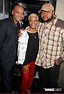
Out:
{"x": 57, "y": 63}
{"x": 20, "y": 32}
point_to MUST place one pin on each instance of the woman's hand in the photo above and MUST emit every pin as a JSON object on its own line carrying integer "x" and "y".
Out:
{"x": 26, "y": 68}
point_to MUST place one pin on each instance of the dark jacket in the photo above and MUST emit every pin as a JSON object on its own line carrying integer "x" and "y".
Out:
{"x": 8, "y": 40}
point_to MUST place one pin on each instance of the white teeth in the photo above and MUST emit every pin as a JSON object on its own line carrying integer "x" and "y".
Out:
{"x": 33, "y": 25}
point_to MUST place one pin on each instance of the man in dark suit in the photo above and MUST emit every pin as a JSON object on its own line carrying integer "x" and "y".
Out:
{"x": 8, "y": 45}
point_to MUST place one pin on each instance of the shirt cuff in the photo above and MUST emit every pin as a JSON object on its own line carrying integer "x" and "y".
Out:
{"x": 60, "y": 60}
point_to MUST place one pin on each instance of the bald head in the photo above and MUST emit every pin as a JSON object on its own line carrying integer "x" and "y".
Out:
{"x": 18, "y": 6}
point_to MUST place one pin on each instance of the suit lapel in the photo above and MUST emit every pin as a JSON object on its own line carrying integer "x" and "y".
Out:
{"x": 13, "y": 25}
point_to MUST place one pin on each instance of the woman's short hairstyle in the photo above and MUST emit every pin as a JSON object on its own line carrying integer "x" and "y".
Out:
{"x": 33, "y": 14}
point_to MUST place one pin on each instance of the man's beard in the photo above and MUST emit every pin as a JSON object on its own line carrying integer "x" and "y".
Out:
{"x": 48, "y": 20}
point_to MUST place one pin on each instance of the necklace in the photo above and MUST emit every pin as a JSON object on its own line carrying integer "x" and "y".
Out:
{"x": 34, "y": 35}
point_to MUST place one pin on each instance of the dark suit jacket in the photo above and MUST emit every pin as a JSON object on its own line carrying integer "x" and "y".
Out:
{"x": 8, "y": 41}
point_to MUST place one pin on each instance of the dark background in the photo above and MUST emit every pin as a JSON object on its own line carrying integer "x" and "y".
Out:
{"x": 30, "y": 6}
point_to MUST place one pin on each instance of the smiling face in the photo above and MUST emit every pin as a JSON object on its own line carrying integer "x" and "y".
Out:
{"x": 18, "y": 13}
{"x": 33, "y": 21}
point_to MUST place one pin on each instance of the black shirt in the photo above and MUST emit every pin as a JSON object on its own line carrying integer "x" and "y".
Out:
{"x": 32, "y": 48}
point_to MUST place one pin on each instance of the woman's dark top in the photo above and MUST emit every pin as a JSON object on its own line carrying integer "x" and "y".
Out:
{"x": 32, "y": 48}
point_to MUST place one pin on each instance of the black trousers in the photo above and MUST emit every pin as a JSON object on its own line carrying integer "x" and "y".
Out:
{"x": 7, "y": 69}
{"x": 48, "y": 77}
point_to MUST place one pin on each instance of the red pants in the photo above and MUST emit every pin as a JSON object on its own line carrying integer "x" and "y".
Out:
{"x": 27, "y": 78}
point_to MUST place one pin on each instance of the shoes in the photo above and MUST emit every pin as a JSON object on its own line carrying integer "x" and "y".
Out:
{"x": 14, "y": 91}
